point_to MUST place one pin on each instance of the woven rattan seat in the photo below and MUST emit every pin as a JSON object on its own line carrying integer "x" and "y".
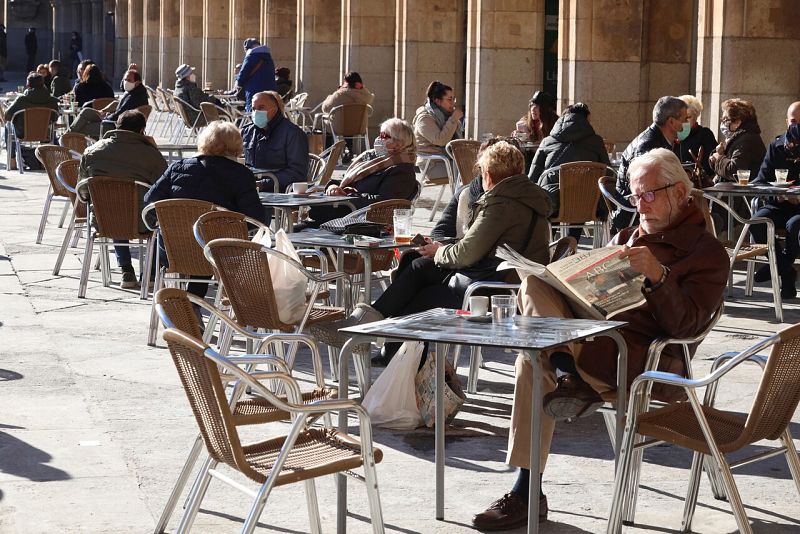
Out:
{"x": 579, "y": 195}
{"x": 50, "y": 156}
{"x": 101, "y": 103}
{"x": 464, "y": 153}
{"x": 677, "y": 424}
{"x": 74, "y": 141}
{"x": 257, "y": 410}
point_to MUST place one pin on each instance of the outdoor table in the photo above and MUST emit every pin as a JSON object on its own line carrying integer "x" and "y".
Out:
{"x": 286, "y": 202}
{"x": 179, "y": 149}
{"x": 529, "y": 334}
{"x": 732, "y": 190}
{"x": 326, "y": 239}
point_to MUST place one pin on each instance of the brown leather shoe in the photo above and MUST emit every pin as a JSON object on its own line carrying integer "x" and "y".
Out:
{"x": 572, "y": 398}
{"x": 509, "y": 511}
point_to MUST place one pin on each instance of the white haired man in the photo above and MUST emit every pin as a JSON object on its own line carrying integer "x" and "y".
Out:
{"x": 685, "y": 271}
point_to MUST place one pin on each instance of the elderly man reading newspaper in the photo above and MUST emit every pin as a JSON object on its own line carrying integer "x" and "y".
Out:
{"x": 683, "y": 272}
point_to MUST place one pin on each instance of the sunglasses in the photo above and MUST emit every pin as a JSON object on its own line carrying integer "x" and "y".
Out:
{"x": 647, "y": 196}
{"x": 384, "y": 135}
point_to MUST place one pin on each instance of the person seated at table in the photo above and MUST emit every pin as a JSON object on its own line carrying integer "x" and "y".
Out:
{"x": 213, "y": 175}
{"x": 284, "y": 82}
{"x": 92, "y": 86}
{"x": 44, "y": 71}
{"x": 685, "y": 269}
{"x": 436, "y": 123}
{"x": 59, "y": 85}
{"x": 125, "y": 152}
{"x": 513, "y": 211}
{"x": 384, "y": 173}
{"x": 694, "y": 136}
{"x": 351, "y": 91}
{"x": 89, "y": 120}
{"x": 538, "y": 122}
{"x": 187, "y": 90}
{"x": 79, "y": 70}
{"x": 571, "y": 139}
{"x": 35, "y": 96}
{"x": 275, "y": 143}
{"x": 741, "y": 146}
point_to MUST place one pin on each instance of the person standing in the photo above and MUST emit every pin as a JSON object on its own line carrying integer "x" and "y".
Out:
{"x": 75, "y": 50}
{"x": 3, "y": 52}
{"x": 31, "y": 47}
{"x": 258, "y": 70}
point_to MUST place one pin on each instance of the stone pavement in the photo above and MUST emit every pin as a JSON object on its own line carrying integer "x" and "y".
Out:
{"x": 94, "y": 426}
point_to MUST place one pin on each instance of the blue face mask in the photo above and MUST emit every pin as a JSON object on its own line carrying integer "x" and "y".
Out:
{"x": 380, "y": 147}
{"x": 685, "y": 131}
{"x": 260, "y": 118}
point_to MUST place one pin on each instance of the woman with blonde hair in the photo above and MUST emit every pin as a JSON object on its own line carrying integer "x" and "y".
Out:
{"x": 695, "y": 136}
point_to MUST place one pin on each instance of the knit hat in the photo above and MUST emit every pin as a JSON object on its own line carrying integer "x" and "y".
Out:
{"x": 542, "y": 99}
{"x": 251, "y": 42}
{"x": 183, "y": 71}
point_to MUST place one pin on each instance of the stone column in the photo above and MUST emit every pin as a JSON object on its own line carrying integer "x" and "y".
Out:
{"x": 150, "y": 42}
{"x": 279, "y": 31}
{"x": 749, "y": 50}
{"x": 430, "y": 45}
{"x": 318, "y": 41}
{"x": 191, "y": 35}
{"x": 121, "y": 22}
{"x": 504, "y": 62}
{"x": 169, "y": 34}
{"x": 135, "y": 31}
{"x": 87, "y": 26}
{"x": 368, "y": 48}
{"x": 245, "y": 22}
{"x": 215, "y": 42}
{"x": 620, "y": 56}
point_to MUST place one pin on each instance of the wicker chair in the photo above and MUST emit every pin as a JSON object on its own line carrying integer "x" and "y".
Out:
{"x": 190, "y": 128}
{"x": 67, "y": 175}
{"x": 50, "y": 157}
{"x": 102, "y": 103}
{"x": 213, "y": 112}
{"x": 464, "y": 153}
{"x": 349, "y": 121}
{"x": 75, "y": 141}
{"x": 578, "y": 198}
{"x": 302, "y": 455}
{"x": 331, "y": 155}
{"x": 712, "y": 432}
{"x": 145, "y": 110}
{"x": 114, "y": 214}
{"x": 613, "y": 200}
{"x": 170, "y": 114}
{"x": 175, "y": 308}
{"x": 316, "y": 166}
{"x": 38, "y": 129}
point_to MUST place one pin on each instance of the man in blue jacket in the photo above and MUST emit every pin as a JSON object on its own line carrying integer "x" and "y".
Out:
{"x": 275, "y": 143}
{"x": 257, "y": 72}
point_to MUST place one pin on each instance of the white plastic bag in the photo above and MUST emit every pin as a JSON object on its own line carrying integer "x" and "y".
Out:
{"x": 392, "y": 400}
{"x": 288, "y": 282}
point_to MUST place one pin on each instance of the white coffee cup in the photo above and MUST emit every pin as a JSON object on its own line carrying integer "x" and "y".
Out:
{"x": 299, "y": 187}
{"x": 479, "y": 305}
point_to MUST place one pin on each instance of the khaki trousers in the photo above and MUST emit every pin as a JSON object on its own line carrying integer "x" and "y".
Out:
{"x": 538, "y": 299}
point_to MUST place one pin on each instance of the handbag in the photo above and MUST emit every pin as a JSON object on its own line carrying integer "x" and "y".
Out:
{"x": 425, "y": 381}
{"x": 346, "y": 225}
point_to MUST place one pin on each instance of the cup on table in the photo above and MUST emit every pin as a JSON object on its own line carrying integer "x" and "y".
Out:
{"x": 20, "y": 88}
{"x": 504, "y": 309}
{"x": 403, "y": 222}
{"x": 299, "y": 188}
{"x": 781, "y": 175}
{"x": 743, "y": 176}
{"x": 479, "y": 305}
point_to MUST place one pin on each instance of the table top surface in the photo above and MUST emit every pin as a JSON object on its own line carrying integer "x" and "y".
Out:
{"x": 324, "y": 238}
{"x": 173, "y": 146}
{"x": 441, "y": 325}
{"x": 752, "y": 190}
{"x": 295, "y": 201}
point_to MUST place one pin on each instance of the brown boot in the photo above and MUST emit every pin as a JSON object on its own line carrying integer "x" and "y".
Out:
{"x": 572, "y": 398}
{"x": 509, "y": 511}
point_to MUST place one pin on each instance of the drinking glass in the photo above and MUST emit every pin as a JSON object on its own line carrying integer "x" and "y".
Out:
{"x": 20, "y": 88}
{"x": 743, "y": 176}
{"x": 781, "y": 175}
{"x": 403, "y": 223}
{"x": 504, "y": 309}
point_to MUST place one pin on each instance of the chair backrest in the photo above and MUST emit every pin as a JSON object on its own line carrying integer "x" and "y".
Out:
{"x": 166, "y": 100}
{"x": 219, "y": 224}
{"x": 115, "y": 204}
{"x": 206, "y": 394}
{"x": 67, "y": 175}
{"x": 74, "y": 141}
{"x": 153, "y": 98}
{"x": 564, "y": 247}
{"x": 779, "y": 391}
{"x": 243, "y": 268}
{"x": 382, "y": 212}
{"x": 176, "y": 310}
{"x": 315, "y": 167}
{"x": 176, "y": 218}
{"x": 578, "y": 191}
{"x": 297, "y": 101}
{"x": 349, "y": 120}
{"x": 609, "y": 146}
{"x": 180, "y": 108}
{"x": 100, "y": 103}
{"x": 51, "y": 156}
{"x": 145, "y": 110}
{"x": 334, "y": 153}
{"x": 464, "y": 152}
{"x": 36, "y": 123}
{"x": 705, "y": 207}
{"x": 212, "y": 112}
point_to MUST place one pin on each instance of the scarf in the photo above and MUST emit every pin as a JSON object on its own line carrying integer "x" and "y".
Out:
{"x": 792, "y": 143}
{"x": 364, "y": 165}
{"x": 441, "y": 116}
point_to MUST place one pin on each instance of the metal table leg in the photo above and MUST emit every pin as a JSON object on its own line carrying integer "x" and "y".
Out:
{"x": 439, "y": 433}
{"x": 536, "y": 432}
{"x": 341, "y": 480}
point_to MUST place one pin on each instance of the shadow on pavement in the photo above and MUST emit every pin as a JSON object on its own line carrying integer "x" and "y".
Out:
{"x": 26, "y": 461}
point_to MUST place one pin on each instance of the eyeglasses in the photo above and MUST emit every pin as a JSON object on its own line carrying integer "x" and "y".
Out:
{"x": 647, "y": 196}
{"x": 451, "y": 99}
{"x": 726, "y": 120}
{"x": 384, "y": 135}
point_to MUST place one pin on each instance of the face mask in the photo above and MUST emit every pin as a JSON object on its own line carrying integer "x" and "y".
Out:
{"x": 684, "y": 133}
{"x": 725, "y": 130}
{"x": 380, "y": 147}
{"x": 128, "y": 86}
{"x": 260, "y": 118}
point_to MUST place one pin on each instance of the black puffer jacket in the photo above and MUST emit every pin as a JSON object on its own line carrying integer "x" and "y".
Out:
{"x": 86, "y": 92}
{"x": 130, "y": 100}
{"x": 214, "y": 179}
{"x": 778, "y": 158}
{"x": 646, "y": 141}
{"x": 699, "y": 136}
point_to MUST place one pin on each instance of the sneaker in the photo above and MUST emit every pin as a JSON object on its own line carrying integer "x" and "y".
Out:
{"x": 572, "y": 398}
{"x": 128, "y": 280}
{"x": 509, "y": 511}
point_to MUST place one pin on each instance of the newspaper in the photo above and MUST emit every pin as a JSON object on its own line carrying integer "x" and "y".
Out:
{"x": 597, "y": 281}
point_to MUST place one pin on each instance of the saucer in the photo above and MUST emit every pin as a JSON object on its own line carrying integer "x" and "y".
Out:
{"x": 781, "y": 184}
{"x": 479, "y": 318}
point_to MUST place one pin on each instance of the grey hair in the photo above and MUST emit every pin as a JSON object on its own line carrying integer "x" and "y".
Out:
{"x": 667, "y": 163}
{"x": 666, "y": 107}
{"x": 401, "y": 132}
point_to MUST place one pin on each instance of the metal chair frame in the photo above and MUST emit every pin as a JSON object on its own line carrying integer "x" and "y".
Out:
{"x": 13, "y": 138}
{"x": 44, "y": 153}
{"x": 424, "y": 162}
{"x": 78, "y": 220}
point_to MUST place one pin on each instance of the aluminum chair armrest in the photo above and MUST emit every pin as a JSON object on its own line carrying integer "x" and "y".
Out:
{"x": 323, "y": 259}
{"x": 294, "y": 398}
{"x": 275, "y": 183}
{"x": 736, "y": 216}
{"x": 258, "y": 359}
{"x": 63, "y": 183}
{"x": 474, "y": 286}
{"x": 146, "y": 215}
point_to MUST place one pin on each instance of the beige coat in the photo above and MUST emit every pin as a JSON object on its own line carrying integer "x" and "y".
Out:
{"x": 347, "y": 95}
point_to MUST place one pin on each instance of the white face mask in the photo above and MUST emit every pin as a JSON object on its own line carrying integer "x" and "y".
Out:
{"x": 128, "y": 86}
{"x": 379, "y": 146}
{"x": 193, "y": 78}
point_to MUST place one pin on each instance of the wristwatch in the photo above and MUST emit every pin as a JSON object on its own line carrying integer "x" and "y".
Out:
{"x": 647, "y": 287}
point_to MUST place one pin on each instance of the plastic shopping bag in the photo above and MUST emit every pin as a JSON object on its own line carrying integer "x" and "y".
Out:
{"x": 288, "y": 282}
{"x": 392, "y": 401}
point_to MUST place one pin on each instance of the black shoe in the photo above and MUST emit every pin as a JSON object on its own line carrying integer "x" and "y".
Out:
{"x": 128, "y": 280}
{"x": 572, "y": 398}
{"x": 762, "y": 274}
{"x": 509, "y": 511}
{"x": 788, "y": 279}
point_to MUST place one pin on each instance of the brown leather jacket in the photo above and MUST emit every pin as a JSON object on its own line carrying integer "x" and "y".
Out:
{"x": 681, "y": 307}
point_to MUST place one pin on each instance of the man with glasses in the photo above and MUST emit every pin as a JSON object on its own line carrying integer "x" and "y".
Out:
{"x": 685, "y": 270}
{"x": 670, "y": 116}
